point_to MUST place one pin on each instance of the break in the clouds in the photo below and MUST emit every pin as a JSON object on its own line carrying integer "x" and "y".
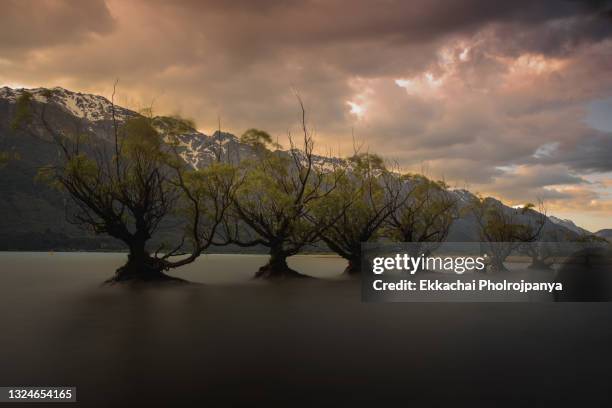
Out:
{"x": 496, "y": 96}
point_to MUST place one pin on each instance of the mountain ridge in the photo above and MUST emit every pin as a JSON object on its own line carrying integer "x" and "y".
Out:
{"x": 605, "y": 233}
{"x": 21, "y": 191}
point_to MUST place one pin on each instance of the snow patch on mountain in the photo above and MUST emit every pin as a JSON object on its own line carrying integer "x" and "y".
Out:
{"x": 85, "y": 106}
{"x": 464, "y": 197}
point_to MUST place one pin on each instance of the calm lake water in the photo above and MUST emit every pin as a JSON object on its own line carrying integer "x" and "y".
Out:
{"x": 233, "y": 340}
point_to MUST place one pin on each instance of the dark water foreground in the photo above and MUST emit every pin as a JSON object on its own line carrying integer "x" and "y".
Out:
{"x": 309, "y": 343}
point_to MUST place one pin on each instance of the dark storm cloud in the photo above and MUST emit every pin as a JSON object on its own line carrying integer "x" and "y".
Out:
{"x": 378, "y": 37}
{"x": 30, "y": 24}
{"x": 399, "y": 21}
{"x": 554, "y": 37}
{"x": 466, "y": 89}
{"x": 591, "y": 153}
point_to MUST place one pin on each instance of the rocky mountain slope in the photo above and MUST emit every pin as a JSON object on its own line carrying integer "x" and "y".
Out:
{"x": 33, "y": 215}
{"x": 605, "y": 233}
{"x": 569, "y": 224}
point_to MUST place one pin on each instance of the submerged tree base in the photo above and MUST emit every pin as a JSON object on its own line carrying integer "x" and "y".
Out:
{"x": 143, "y": 273}
{"x": 496, "y": 269}
{"x": 352, "y": 269}
{"x": 540, "y": 265}
{"x": 271, "y": 271}
{"x": 161, "y": 278}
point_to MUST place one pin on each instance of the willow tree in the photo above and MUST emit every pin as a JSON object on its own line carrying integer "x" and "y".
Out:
{"x": 279, "y": 192}
{"x": 426, "y": 213}
{"x": 127, "y": 183}
{"x": 503, "y": 230}
{"x": 364, "y": 198}
{"x": 545, "y": 250}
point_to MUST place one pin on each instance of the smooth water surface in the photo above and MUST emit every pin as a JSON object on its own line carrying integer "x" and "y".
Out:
{"x": 233, "y": 340}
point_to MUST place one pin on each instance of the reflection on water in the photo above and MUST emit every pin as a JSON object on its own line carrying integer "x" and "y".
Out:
{"x": 236, "y": 340}
{"x": 74, "y": 268}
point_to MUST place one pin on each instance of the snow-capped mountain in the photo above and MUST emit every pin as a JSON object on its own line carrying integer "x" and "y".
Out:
{"x": 90, "y": 107}
{"x": 96, "y": 113}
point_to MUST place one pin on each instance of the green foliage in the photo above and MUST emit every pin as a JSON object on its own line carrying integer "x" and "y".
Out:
{"x": 173, "y": 126}
{"x": 277, "y": 199}
{"x": 367, "y": 163}
{"x": 210, "y": 191}
{"x": 505, "y": 229}
{"x": 126, "y": 191}
{"x": 527, "y": 207}
{"x": 258, "y": 139}
{"x": 82, "y": 166}
{"x": 127, "y": 187}
{"x": 140, "y": 137}
{"x": 357, "y": 207}
{"x": 427, "y": 212}
{"x": 210, "y": 182}
{"x": 500, "y": 224}
{"x": 267, "y": 190}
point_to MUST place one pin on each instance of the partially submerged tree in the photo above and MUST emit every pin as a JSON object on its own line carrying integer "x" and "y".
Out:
{"x": 279, "y": 192}
{"x": 127, "y": 186}
{"x": 542, "y": 253}
{"x": 355, "y": 211}
{"x": 425, "y": 216}
{"x": 503, "y": 230}
{"x": 550, "y": 245}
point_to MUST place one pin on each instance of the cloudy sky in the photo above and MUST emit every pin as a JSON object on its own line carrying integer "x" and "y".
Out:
{"x": 512, "y": 99}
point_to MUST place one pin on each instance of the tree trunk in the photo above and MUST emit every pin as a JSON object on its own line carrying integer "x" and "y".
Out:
{"x": 277, "y": 267}
{"x": 141, "y": 266}
{"x": 497, "y": 265}
{"x": 539, "y": 264}
{"x": 353, "y": 268}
